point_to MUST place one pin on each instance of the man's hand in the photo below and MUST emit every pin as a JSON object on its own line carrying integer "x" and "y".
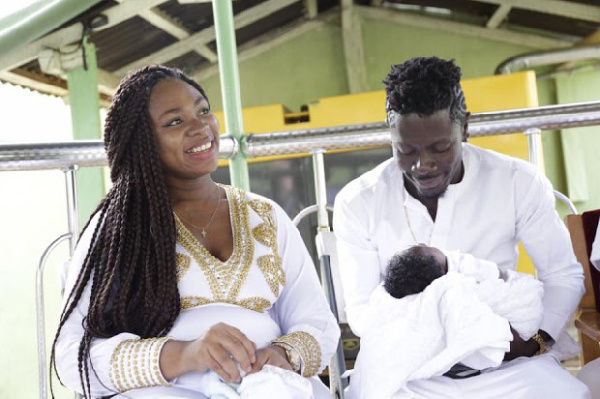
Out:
{"x": 272, "y": 355}
{"x": 519, "y": 348}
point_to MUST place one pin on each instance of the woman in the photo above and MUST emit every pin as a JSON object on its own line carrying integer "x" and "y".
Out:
{"x": 177, "y": 281}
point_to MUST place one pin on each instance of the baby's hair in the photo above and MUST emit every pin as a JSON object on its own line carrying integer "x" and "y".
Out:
{"x": 409, "y": 272}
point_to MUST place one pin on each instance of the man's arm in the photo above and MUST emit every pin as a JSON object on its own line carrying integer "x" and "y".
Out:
{"x": 547, "y": 241}
{"x": 357, "y": 255}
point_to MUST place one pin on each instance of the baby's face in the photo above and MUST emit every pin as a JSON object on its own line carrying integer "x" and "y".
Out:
{"x": 440, "y": 258}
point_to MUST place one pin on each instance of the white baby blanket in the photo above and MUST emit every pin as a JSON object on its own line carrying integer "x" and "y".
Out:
{"x": 455, "y": 319}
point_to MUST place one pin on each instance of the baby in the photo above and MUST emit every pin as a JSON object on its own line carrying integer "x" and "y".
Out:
{"x": 412, "y": 270}
{"x": 435, "y": 309}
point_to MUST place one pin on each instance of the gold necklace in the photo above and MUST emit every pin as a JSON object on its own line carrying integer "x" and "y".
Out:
{"x": 203, "y": 229}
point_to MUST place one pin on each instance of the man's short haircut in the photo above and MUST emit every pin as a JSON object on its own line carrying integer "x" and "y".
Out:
{"x": 423, "y": 86}
{"x": 409, "y": 272}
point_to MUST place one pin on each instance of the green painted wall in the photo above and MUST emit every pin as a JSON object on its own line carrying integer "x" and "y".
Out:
{"x": 386, "y": 44}
{"x": 581, "y": 146}
{"x": 308, "y": 67}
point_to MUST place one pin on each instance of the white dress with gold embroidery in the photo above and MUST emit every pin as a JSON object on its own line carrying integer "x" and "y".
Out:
{"x": 268, "y": 289}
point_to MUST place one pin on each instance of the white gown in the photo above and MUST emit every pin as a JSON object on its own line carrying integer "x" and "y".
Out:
{"x": 268, "y": 288}
{"x": 500, "y": 202}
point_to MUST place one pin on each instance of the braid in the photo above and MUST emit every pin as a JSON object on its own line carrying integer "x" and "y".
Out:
{"x": 424, "y": 85}
{"x": 131, "y": 259}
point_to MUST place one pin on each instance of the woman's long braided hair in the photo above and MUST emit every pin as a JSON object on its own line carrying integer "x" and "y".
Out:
{"x": 131, "y": 259}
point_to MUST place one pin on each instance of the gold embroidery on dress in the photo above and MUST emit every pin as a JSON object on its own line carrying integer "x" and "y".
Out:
{"x": 193, "y": 301}
{"x": 225, "y": 279}
{"x": 270, "y": 266}
{"x": 266, "y": 234}
{"x": 134, "y": 364}
{"x": 183, "y": 264}
{"x": 264, "y": 210}
{"x": 308, "y": 348}
{"x": 255, "y": 303}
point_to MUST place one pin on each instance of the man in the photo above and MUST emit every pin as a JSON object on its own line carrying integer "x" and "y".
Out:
{"x": 439, "y": 190}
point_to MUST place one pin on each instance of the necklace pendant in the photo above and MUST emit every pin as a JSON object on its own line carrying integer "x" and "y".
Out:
{"x": 203, "y": 232}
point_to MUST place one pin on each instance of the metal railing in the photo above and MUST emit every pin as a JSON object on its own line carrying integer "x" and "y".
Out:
{"x": 40, "y": 156}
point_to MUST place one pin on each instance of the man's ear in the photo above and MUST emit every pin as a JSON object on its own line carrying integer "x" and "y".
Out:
{"x": 465, "y": 128}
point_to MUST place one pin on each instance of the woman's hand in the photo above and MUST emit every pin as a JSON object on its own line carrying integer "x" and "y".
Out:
{"x": 272, "y": 355}
{"x": 519, "y": 348}
{"x": 218, "y": 350}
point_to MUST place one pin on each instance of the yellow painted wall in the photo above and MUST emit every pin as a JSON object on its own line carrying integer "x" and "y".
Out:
{"x": 509, "y": 92}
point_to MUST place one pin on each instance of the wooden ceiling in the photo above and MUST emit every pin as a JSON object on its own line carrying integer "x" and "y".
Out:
{"x": 181, "y": 32}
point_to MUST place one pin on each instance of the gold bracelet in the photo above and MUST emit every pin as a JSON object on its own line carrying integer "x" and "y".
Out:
{"x": 541, "y": 342}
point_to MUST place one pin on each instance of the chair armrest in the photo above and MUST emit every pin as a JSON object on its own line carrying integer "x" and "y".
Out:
{"x": 588, "y": 322}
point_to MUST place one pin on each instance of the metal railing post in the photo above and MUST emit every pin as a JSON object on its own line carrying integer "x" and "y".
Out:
{"x": 72, "y": 236}
{"x": 320, "y": 189}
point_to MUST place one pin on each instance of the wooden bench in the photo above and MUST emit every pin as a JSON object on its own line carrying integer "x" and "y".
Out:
{"x": 583, "y": 231}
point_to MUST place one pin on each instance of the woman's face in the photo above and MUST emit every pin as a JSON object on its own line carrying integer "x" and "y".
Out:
{"x": 186, "y": 132}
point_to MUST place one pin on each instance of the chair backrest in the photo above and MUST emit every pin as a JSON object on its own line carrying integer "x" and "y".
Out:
{"x": 583, "y": 231}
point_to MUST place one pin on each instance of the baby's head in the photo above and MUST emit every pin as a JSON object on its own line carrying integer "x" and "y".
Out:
{"x": 410, "y": 271}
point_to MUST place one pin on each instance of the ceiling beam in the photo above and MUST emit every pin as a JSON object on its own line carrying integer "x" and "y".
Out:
{"x": 563, "y": 8}
{"x": 270, "y": 40}
{"x": 354, "y": 52}
{"x": 194, "y": 1}
{"x": 499, "y": 35}
{"x": 499, "y": 15}
{"x": 206, "y": 36}
{"x": 33, "y": 84}
{"x": 73, "y": 33}
{"x": 164, "y": 22}
{"x": 312, "y": 8}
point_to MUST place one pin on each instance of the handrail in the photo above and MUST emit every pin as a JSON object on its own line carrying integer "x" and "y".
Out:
{"x": 39, "y": 311}
{"x": 377, "y": 134}
{"x": 39, "y": 156}
{"x": 63, "y": 155}
{"x": 567, "y": 201}
{"x": 308, "y": 211}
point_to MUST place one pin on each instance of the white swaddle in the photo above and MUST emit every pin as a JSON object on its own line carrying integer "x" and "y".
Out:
{"x": 423, "y": 335}
{"x": 515, "y": 296}
{"x": 269, "y": 383}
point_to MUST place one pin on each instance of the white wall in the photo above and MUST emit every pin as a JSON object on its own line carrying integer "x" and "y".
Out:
{"x": 32, "y": 214}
